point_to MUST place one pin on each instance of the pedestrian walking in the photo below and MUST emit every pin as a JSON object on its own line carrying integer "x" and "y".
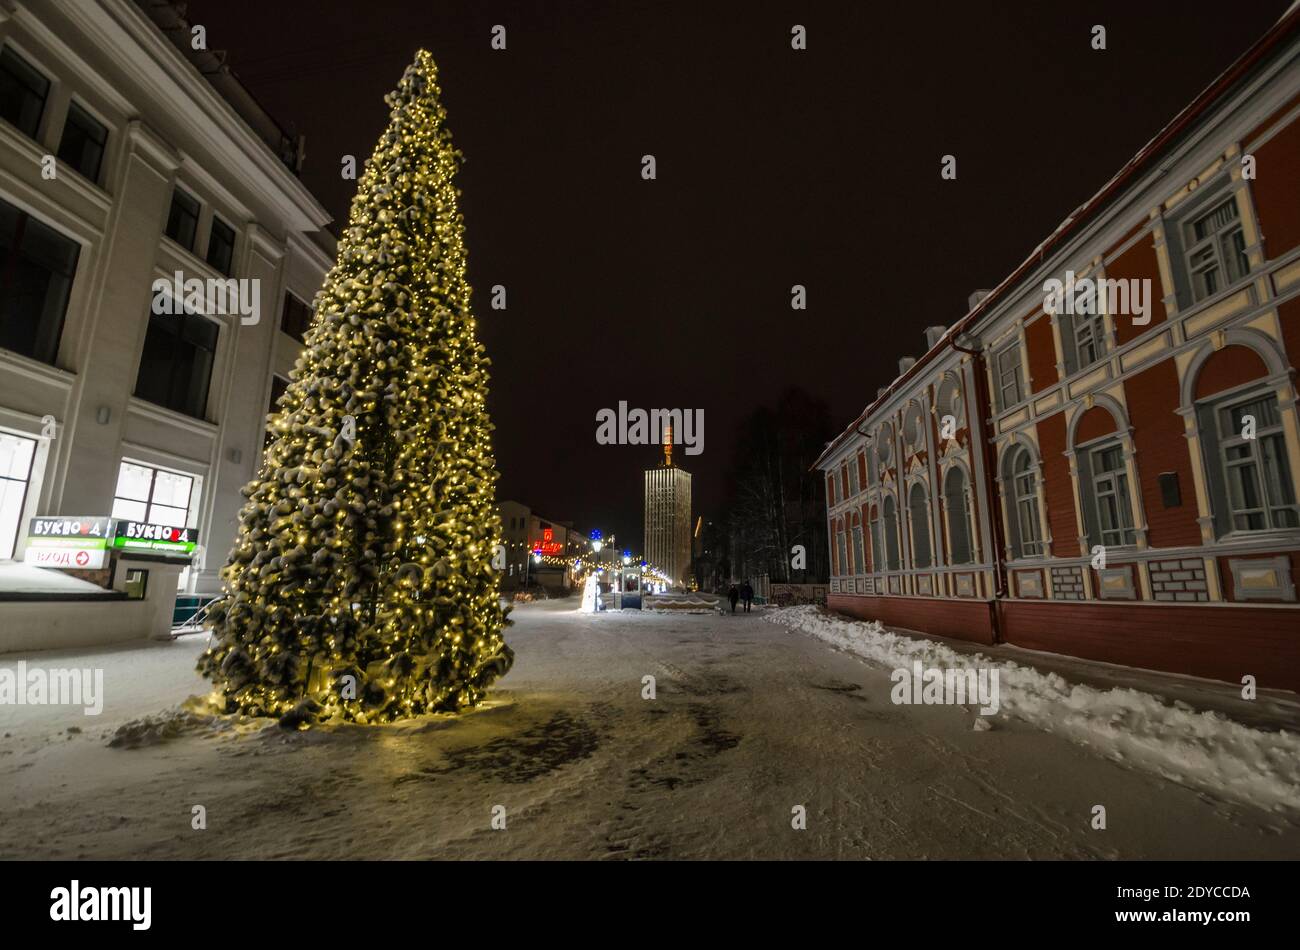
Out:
{"x": 733, "y": 595}
{"x": 747, "y": 595}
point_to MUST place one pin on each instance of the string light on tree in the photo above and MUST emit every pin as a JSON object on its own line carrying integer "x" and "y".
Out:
{"x": 365, "y": 561}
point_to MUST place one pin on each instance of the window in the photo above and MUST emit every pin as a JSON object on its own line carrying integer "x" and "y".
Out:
{"x": 221, "y": 245}
{"x": 152, "y": 494}
{"x": 891, "y": 535}
{"x": 37, "y": 265}
{"x": 296, "y": 318}
{"x": 842, "y": 553}
{"x": 859, "y": 560}
{"x": 948, "y": 400}
{"x": 853, "y": 477}
{"x": 1215, "y": 249}
{"x": 830, "y": 489}
{"x": 1089, "y": 339}
{"x": 16, "y": 455}
{"x": 1112, "y": 512}
{"x": 958, "y": 504}
{"x": 918, "y": 505}
{"x": 183, "y": 219}
{"x": 82, "y": 145}
{"x": 278, "y": 386}
{"x": 22, "y": 93}
{"x": 1027, "y": 535}
{"x": 1010, "y": 376}
{"x": 885, "y": 445}
{"x": 877, "y": 549}
{"x": 176, "y": 365}
{"x": 1251, "y": 477}
{"x": 912, "y": 423}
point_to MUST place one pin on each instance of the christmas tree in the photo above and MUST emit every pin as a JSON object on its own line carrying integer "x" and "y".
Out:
{"x": 360, "y": 585}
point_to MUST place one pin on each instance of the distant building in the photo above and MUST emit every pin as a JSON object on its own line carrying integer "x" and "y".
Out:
{"x": 538, "y": 551}
{"x": 1086, "y": 476}
{"x": 668, "y": 516}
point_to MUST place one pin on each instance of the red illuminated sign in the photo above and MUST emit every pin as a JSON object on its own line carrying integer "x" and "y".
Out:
{"x": 548, "y": 544}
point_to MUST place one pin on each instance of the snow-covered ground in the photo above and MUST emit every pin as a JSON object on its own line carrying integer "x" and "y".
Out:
{"x": 1201, "y": 749}
{"x": 749, "y": 720}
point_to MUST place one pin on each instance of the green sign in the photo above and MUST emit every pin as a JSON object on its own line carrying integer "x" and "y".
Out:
{"x": 159, "y": 540}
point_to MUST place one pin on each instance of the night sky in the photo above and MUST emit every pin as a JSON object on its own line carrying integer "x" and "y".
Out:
{"x": 775, "y": 167}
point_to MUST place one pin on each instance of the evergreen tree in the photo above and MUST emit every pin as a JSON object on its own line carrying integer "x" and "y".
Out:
{"x": 360, "y": 585}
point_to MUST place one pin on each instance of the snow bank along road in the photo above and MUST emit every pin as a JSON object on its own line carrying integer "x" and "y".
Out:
{"x": 749, "y": 720}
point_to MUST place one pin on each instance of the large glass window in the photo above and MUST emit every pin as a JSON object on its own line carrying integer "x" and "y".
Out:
{"x": 918, "y": 504}
{"x": 1024, "y": 505}
{"x": 1112, "y": 511}
{"x": 891, "y": 534}
{"x": 877, "y": 548}
{"x": 958, "y": 504}
{"x": 152, "y": 494}
{"x": 841, "y": 550}
{"x": 37, "y": 265}
{"x": 183, "y": 219}
{"x": 296, "y": 318}
{"x": 82, "y": 145}
{"x": 16, "y": 455}
{"x": 23, "y": 91}
{"x": 1010, "y": 376}
{"x": 1215, "y": 249}
{"x": 221, "y": 245}
{"x": 859, "y": 560}
{"x": 1251, "y": 474}
{"x": 176, "y": 365}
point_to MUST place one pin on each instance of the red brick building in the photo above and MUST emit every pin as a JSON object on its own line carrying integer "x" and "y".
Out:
{"x": 1111, "y": 471}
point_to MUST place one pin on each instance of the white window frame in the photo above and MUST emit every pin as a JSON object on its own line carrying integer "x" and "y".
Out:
{"x": 1112, "y": 485}
{"x": 1024, "y": 498}
{"x": 1016, "y": 374}
{"x": 1225, "y": 441}
{"x": 1217, "y": 256}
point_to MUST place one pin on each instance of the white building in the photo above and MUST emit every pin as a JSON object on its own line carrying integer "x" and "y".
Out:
{"x": 158, "y": 169}
{"x": 668, "y": 517}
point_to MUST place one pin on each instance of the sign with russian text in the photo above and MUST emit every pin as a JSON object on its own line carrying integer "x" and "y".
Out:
{"x": 159, "y": 540}
{"x": 67, "y": 543}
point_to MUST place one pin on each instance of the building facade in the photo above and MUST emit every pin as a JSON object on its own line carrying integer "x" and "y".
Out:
{"x": 668, "y": 518}
{"x": 127, "y": 157}
{"x": 1094, "y": 473}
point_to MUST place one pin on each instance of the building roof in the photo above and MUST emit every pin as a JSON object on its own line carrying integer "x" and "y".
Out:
{"x": 1146, "y": 156}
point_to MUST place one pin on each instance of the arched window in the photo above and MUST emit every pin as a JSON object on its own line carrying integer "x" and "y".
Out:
{"x": 877, "y": 547}
{"x": 958, "y": 504}
{"x": 918, "y": 504}
{"x": 1103, "y": 479}
{"x": 1026, "y": 528}
{"x": 859, "y": 560}
{"x": 891, "y": 534}
{"x": 841, "y": 549}
{"x": 1252, "y": 487}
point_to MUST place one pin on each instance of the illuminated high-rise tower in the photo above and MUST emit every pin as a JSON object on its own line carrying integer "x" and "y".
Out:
{"x": 668, "y": 516}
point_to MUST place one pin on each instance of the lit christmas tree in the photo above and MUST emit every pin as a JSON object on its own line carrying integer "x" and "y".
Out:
{"x": 360, "y": 585}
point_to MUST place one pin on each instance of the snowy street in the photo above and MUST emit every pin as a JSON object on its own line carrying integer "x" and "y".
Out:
{"x": 750, "y": 719}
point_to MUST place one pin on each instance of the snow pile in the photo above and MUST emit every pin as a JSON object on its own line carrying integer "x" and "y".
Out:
{"x": 1203, "y": 750}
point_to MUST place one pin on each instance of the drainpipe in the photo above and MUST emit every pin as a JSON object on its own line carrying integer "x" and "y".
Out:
{"x": 983, "y": 412}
